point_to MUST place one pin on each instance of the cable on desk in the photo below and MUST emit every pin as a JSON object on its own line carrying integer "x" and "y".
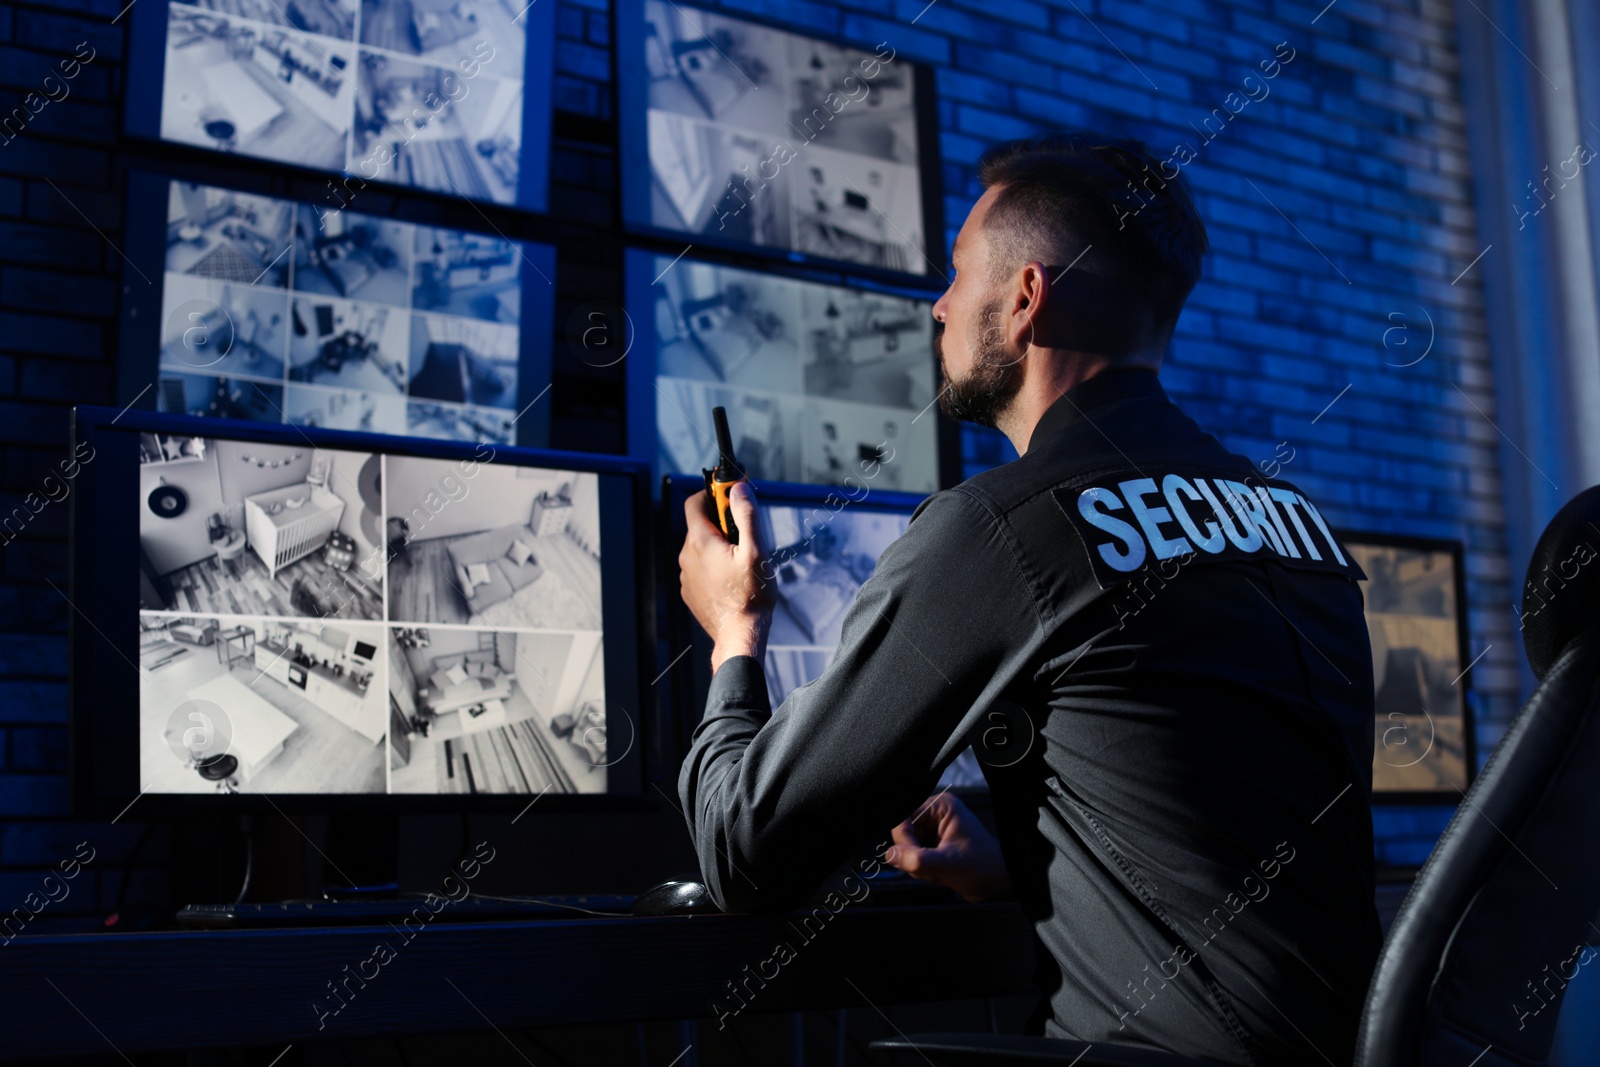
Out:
{"x": 127, "y": 876}
{"x": 555, "y": 904}
{"x": 247, "y": 824}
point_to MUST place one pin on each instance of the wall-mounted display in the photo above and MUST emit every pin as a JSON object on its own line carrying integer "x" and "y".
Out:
{"x": 274, "y": 311}
{"x": 817, "y": 379}
{"x": 747, "y": 135}
{"x": 452, "y": 96}
{"x": 825, "y": 545}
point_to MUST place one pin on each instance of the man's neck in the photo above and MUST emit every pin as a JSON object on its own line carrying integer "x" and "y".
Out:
{"x": 1049, "y": 374}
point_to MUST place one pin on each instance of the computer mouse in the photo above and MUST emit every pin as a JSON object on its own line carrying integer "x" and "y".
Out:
{"x": 676, "y": 898}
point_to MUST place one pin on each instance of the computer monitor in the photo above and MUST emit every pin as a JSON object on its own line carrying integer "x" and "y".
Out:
{"x": 1416, "y": 617}
{"x": 816, "y": 378}
{"x": 825, "y": 545}
{"x": 454, "y": 97}
{"x": 255, "y": 307}
{"x": 269, "y": 615}
{"x": 749, "y": 136}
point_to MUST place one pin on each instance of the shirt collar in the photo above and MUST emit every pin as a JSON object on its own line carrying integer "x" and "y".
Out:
{"x": 1111, "y": 386}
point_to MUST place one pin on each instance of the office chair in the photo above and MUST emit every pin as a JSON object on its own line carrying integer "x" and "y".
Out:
{"x": 1499, "y": 918}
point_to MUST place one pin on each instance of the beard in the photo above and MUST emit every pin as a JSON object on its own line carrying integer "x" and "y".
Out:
{"x": 990, "y": 386}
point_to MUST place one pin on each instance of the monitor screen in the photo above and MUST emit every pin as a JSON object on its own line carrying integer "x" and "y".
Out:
{"x": 1415, "y": 618}
{"x": 817, "y": 379}
{"x": 450, "y": 97}
{"x": 351, "y": 615}
{"x": 746, "y": 135}
{"x": 824, "y": 548}
{"x": 274, "y": 311}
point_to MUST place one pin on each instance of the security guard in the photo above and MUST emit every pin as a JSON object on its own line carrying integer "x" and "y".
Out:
{"x": 1158, "y": 653}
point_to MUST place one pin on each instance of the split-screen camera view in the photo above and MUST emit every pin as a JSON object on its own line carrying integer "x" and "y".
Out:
{"x": 280, "y": 312}
{"x": 330, "y": 621}
{"x": 423, "y": 93}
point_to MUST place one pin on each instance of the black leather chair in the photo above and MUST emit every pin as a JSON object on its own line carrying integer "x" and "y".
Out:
{"x": 1499, "y": 919}
{"x": 221, "y": 770}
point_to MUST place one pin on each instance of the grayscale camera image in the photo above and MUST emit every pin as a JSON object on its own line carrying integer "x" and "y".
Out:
{"x": 822, "y": 383}
{"x": 261, "y": 705}
{"x": 429, "y": 96}
{"x": 348, "y": 344}
{"x": 257, "y": 89}
{"x": 228, "y": 236}
{"x": 445, "y": 32}
{"x": 463, "y": 360}
{"x": 225, "y": 329}
{"x": 343, "y": 347}
{"x": 430, "y": 127}
{"x": 821, "y": 557}
{"x": 736, "y": 327}
{"x": 781, "y": 140}
{"x": 496, "y": 711}
{"x": 355, "y": 256}
{"x": 324, "y": 18}
{"x": 867, "y": 347}
{"x": 492, "y": 546}
{"x": 467, "y": 274}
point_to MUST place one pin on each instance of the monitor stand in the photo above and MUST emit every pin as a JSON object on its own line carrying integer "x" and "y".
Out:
{"x": 362, "y": 856}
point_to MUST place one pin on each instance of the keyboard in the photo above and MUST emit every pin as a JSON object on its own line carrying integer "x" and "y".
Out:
{"x": 396, "y": 909}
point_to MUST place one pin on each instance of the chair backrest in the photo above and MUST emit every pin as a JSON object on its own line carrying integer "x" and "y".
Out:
{"x": 1500, "y": 917}
{"x": 218, "y": 768}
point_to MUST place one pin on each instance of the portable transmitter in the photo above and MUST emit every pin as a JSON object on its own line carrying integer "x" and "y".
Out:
{"x": 721, "y": 479}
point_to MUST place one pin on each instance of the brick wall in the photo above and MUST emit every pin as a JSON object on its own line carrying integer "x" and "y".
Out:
{"x": 1337, "y": 198}
{"x": 1339, "y": 205}
{"x": 58, "y": 291}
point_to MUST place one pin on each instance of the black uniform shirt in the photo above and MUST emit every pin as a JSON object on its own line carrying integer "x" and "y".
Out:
{"x": 1161, "y": 660}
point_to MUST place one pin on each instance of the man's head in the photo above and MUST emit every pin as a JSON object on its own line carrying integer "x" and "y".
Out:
{"x": 1080, "y": 244}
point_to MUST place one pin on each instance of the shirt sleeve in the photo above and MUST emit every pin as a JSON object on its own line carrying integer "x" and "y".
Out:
{"x": 776, "y": 800}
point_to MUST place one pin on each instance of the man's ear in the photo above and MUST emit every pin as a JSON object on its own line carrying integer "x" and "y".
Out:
{"x": 1033, "y": 290}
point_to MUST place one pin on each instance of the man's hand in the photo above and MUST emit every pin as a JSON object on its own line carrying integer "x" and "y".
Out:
{"x": 944, "y": 843}
{"x": 722, "y": 583}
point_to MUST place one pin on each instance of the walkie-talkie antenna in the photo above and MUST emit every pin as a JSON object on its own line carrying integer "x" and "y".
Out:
{"x": 719, "y": 480}
{"x": 719, "y": 420}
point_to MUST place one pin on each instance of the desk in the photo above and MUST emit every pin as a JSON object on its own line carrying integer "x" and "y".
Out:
{"x": 201, "y": 989}
{"x": 237, "y": 643}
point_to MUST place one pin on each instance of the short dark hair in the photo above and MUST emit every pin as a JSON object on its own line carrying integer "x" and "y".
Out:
{"x": 1069, "y": 192}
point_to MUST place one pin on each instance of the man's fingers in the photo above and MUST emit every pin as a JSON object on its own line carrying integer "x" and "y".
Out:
{"x": 906, "y": 853}
{"x": 907, "y": 858}
{"x": 694, "y": 511}
{"x": 931, "y": 815}
{"x": 742, "y": 502}
{"x": 905, "y": 846}
{"x": 925, "y": 863}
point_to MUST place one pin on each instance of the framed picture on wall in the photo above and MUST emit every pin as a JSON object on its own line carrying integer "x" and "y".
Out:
{"x": 1416, "y": 618}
